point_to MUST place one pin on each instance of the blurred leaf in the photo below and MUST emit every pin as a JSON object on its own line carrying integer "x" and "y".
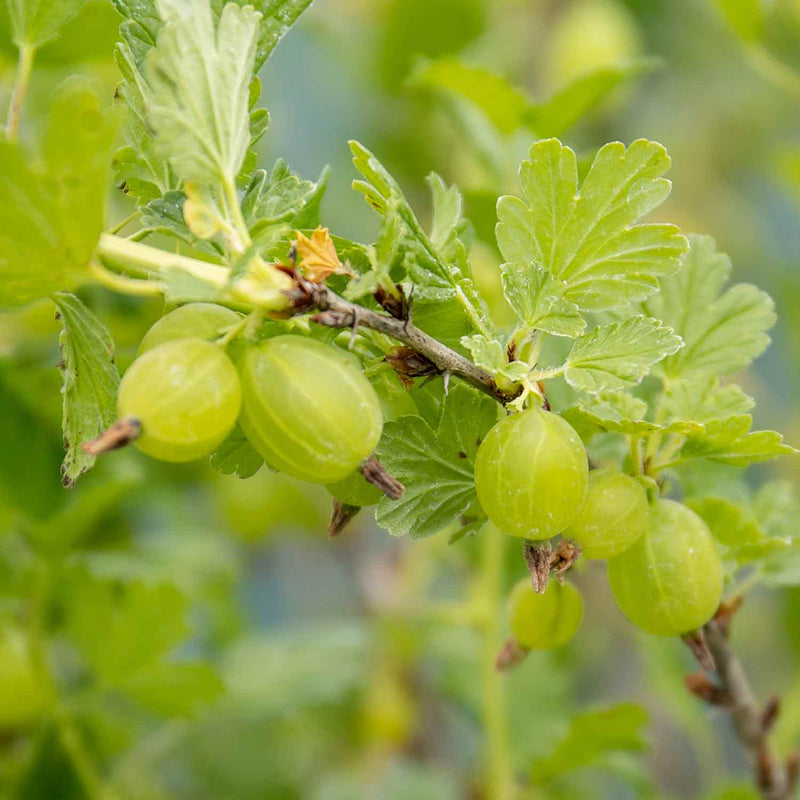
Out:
{"x": 435, "y": 467}
{"x": 501, "y": 102}
{"x": 782, "y": 568}
{"x": 618, "y": 354}
{"x": 744, "y": 16}
{"x": 50, "y": 223}
{"x": 727, "y": 521}
{"x": 173, "y": 689}
{"x": 296, "y": 670}
{"x": 50, "y": 771}
{"x": 587, "y": 238}
{"x": 723, "y": 332}
{"x": 35, "y": 21}
{"x": 581, "y": 95}
{"x": 235, "y": 456}
{"x": 89, "y": 382}
{"x": 592, "y": 737}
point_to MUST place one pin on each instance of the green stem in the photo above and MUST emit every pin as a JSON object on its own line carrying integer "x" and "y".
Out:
{"x": 498, "y": 770}
{"x": 474, "y": 317}
{"x": 24, "y": 69}
{"x": 123, "y": 285}
{"x": 120, "y": 225}
{"x": 235, "y": 214}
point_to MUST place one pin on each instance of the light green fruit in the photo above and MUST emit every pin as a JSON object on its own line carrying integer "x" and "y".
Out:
{"x": 613, "y": 517}
{"x": 670, "y": 581}
{"x": 544, "y": 621}
{"x": 192, "y": 321}
{"x": 531, "y": 473}
{"x": 354, "y": 490}
{"x": 186, "y": 395}
{"x": 21, "y": 697}
{"x": 308, "y": 409}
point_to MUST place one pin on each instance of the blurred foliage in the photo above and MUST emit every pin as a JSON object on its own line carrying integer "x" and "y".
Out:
{"x": 198, "y": 637}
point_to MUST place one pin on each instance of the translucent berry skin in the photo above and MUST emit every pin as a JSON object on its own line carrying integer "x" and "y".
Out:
{"x": 308, "y": 409}
{"x": 186, "y": 395}
{"x": 531, "y": 474}
{"x": 613, "y": 517}
{"x": 670, "y": 581}
{"x": 192, "y": 321}
{"x": 21, "y": 698}
{"x": 355, "y": 491}
{"x": 544, "y": 621}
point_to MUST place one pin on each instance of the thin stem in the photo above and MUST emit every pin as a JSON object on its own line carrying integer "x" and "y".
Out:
{"x": 120, "y": 225}
{"x": 636, "y": 455}
{"x": 24, "y": 69}
{"x": 122, "y": 284}
{"x": 498, "y": 769}
{"x": 235, "y": 214}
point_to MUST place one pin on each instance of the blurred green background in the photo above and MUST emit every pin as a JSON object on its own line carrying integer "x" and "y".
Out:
{"x": 309, "y": 668}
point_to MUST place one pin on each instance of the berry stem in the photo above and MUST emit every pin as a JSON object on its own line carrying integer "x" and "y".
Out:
{"x": 24, "y": 69}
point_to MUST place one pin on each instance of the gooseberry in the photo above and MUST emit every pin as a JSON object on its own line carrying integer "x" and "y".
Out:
{"x": 544, "y": 621}
{"x": 613, "y": 517}
{"x": 185, "y": 394}
{"x": 308, "y": 409}
{"x": 670, "y": 581}
{"x": 192, "y": 321}
{"x": 531, "y": 474}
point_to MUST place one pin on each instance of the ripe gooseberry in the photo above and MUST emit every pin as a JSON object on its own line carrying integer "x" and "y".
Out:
{"x": 670, "y": 581}
{"x": 186, "y": 395}
{"x": 308, "y": 409}
{"x": 544, "y": 621}
{"x": 613, "y": 517}
{"x": 193, "y": 321}
{"x": 531, "y": 473}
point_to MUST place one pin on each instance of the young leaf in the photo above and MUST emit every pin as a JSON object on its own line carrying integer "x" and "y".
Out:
{"x": 723, "y": 331}
{"x": 33, "y": 22}
{"x": 235, "y": 456}
{"x": 89, "y": 384}
{"x": 537, "y": 298}
{"x": 435, "y": 466}
{"x": 487, "y": 353}
{"x": 197, "y": 98}
{"x": 277, "y": 197}
{"x": 50, "y": 222}
{"x": 587, "y": 237}
{"x": 618, "y": 354}
{"x": 173, "y": 689}
{"x": 730, "y": 441}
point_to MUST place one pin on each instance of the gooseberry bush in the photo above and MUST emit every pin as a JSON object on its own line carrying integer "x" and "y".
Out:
{"x": 376, "y": 370}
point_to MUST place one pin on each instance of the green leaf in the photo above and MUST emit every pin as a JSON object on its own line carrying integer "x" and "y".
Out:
{"x": 587, "y": 237}
{"x": 782, "y": 568}
{"x": 235, "y": 456}
{"x": 746, "y": 17}
{"x": 174, "y": 689}
{"x": 727, "y": 521}
{"x": 448, "y": 223}
{"x": 50, "y": 221}
{"x": 487, "y": 353}
{"x": 730, "y": 441}
{"x": 704, "y": 399}
{"x": 574, "y": 101}
{"x": 723, "y": 331}
{"x": 277, "y": 197}
{"x": 537, "y": 298}
{"x": 164, "y": 215}
{"x": 197, "y": 97}
{"x": 434, "y": 466}
{"x": 593, "y": 736}
{"x": 618, "y": 354}
{"x": 502, "y": 103}
{"x": 33, "y": 22}
{"x": 89, "y": 382}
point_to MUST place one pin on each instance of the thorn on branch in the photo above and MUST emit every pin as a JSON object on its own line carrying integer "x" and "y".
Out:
{"x": 120, "y": 434}
{"x": 700, "y": 685}
{"x": 341, "y": 514}
{"x": 697, "y": 643}
{"x": 374, "y": 472}
{"x": 511, "y": 654}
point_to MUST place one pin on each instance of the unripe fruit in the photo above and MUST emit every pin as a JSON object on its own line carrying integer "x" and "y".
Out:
{"x": 308, "y": 409}
{"x": 544, "y": 621}
{"x": 670, "y": 581}
{"x": 192, "y": 321}
{"x": 613, "y": 517}
{"x": 21, "y": 698}
{"x": 531, "y": 474}
{"x": 186, "y": 395}
{"x": 354, "y": 490}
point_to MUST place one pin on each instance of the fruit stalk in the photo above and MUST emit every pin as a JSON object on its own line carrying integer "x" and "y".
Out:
{"x": 776, "y": 779}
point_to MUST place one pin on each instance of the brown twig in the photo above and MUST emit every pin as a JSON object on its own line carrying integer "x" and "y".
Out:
{"x": 776, "y": 779}
{"x": 336, "y": 312}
